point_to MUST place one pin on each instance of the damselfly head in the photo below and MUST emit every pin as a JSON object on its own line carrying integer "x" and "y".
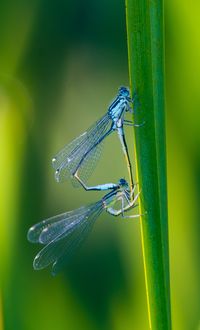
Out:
{"x": 123, "y": 183}
{"x": 124, "y": 91}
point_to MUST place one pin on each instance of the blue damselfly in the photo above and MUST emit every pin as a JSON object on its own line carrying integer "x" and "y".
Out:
{"x": 78, "y": 158}
{"x": 62, "y": 233}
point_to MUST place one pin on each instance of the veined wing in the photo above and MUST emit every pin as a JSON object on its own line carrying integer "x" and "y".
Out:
{"x": 60, "y": 248}
{"x": 80, "y": 150}
{"x": 76, "y": 241}
{"x": 36, "y": 230}
{"x": 66, "y": 224}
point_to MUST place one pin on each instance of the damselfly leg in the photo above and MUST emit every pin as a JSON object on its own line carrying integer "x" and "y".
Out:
{"x": 130, "y": 204}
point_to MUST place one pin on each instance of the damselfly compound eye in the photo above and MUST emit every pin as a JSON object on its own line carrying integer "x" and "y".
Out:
{"x": 124, "y": 91}
{"x": 123, "y": 183}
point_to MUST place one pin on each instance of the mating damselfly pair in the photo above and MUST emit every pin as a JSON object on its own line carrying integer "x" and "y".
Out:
{"x": 61, "y": 234}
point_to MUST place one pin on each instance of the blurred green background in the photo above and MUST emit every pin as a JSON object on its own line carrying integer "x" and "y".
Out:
{"x": 61, "y": 63}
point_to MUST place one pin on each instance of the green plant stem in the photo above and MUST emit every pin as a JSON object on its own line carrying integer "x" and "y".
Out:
{"x": 146, "y": 70}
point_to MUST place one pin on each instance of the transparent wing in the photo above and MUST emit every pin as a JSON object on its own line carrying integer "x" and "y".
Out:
{"x": 75, "y": 243}
{"x": 67, "y": 240}
{"x": 89, "y": 164}
{"x": 36, "y": 230}
{"x": 67, "y": 160}
{"x": 66, "y": 225}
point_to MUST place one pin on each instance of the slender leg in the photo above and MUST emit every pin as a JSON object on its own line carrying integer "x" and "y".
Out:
{"x": 115, "y": 212}
{"x": 130, "y": 123}
{"x": 132, "y": 216}
{"x": 123, "y": 209}
{"x": 126, "y": 121}
{"x": 132, "y": 202}
{"x": 129, "y": 198}
{"x": 132, "y": 205}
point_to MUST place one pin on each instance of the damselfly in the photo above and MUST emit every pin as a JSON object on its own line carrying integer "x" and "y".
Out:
{"x": 62, "y": 233}
{"x": 78, "y": 158}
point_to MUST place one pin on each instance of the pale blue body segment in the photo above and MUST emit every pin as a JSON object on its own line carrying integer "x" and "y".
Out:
{"x": 78, "y": 158}
{"x": 63, "y": 233}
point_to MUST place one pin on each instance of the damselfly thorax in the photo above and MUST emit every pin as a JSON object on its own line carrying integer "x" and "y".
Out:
{"x": 117, "y": 109}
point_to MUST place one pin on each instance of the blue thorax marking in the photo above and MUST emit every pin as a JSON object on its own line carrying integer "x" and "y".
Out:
{"x": 117, "y": 108}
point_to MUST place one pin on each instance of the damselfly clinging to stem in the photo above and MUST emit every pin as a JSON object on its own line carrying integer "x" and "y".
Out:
{"x": 61, "y": 234}
{"x": 78, "y": 158}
